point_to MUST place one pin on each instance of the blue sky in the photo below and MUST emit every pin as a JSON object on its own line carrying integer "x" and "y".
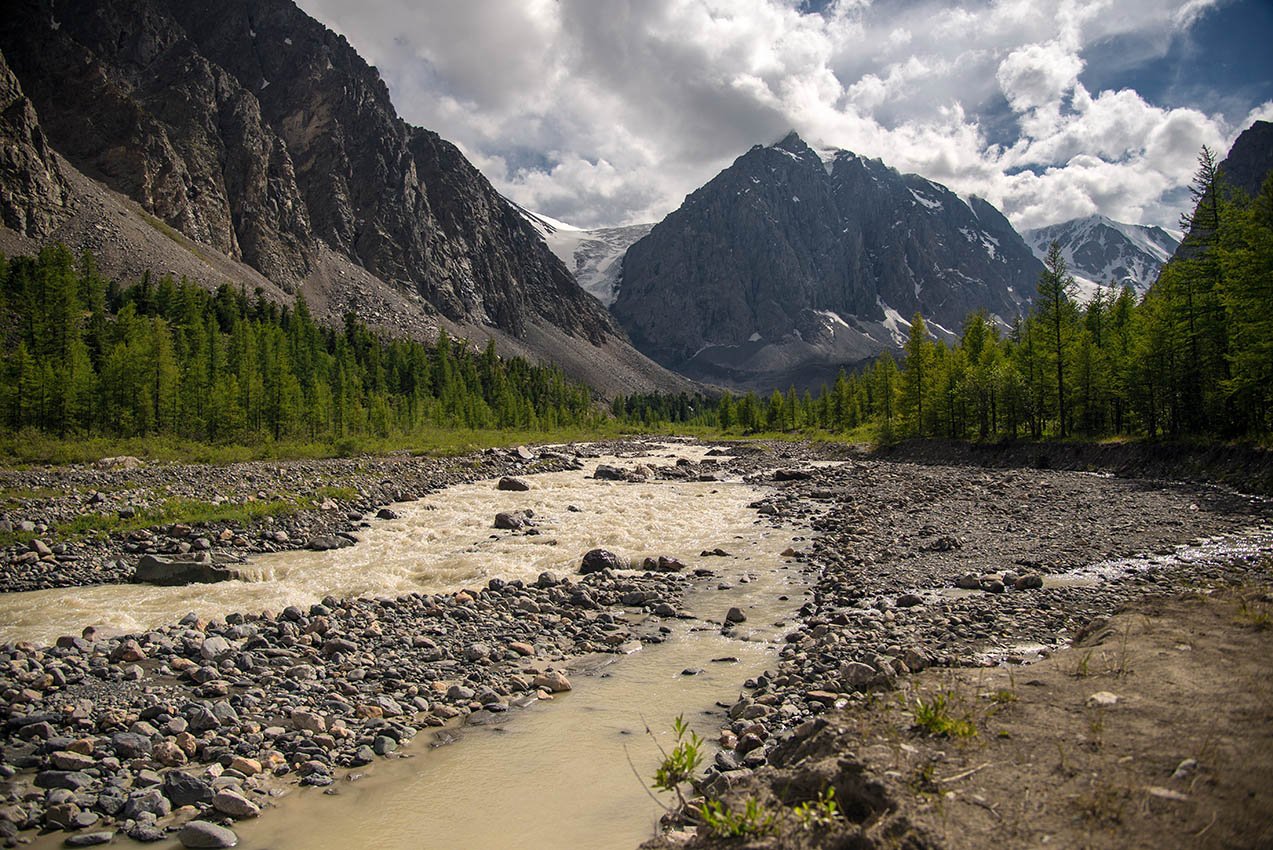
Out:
{"x": 605, "y": 112}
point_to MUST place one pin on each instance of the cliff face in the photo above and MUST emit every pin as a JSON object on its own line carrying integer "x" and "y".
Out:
{"x": 35, "y": 195}
{"x": 791, "y": 262}
{"x": 1250, "y": 159}
{"x": 250, "y": 128}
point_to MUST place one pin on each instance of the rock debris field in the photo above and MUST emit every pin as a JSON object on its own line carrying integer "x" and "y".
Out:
{"x": 182, "y": 730}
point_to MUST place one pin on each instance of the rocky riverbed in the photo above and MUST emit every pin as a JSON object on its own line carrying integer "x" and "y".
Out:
{"x": 198, "y": 720}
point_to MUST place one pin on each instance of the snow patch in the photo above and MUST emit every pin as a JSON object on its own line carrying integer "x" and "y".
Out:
{"x": 832, "y": 317}
{"x": 594, "y": 257}
{"x": 893, "y": 322}
{"x": 927, "y": 202}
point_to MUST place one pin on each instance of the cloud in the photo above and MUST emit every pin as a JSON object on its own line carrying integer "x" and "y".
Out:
{"x": 1037, "y": 75}
{"x": 602, "y": 112}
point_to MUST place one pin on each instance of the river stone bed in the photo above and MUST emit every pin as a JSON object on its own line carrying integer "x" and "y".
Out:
{"x": 142, "y": 733}
{"x": 892, "y": 539}
{"x": 123, "y": 733}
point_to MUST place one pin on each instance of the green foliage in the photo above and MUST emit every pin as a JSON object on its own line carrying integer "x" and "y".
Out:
{"x": 86, "y": 359}
{"x": 679, "y": 766}
{"x": 722, "y": 822}
{"x": 820, "y": 812}
{"x": 934, "y": 716}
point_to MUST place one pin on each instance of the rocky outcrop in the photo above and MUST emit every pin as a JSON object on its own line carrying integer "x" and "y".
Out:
{"x": 35, "y": 195}
{"x": 1250, "y": 159}
{"x": 254, "y": 132}
{"x": 791, "y": 263}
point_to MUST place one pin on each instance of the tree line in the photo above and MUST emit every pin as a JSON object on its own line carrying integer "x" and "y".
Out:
{"x": 1192, "y": 358}
{"x": 84, "y": 356}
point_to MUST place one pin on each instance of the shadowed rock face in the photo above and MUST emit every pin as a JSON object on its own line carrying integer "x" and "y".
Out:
{"x": 808, "y": 258}
{"x": 1250, "y": 159}
{"x": 35, "y": 192}
{"x": 253, "y": 129}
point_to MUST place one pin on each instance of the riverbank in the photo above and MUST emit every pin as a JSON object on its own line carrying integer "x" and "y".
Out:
{"x": 1243, "y": 467}
{"x": 1153, "y": 730}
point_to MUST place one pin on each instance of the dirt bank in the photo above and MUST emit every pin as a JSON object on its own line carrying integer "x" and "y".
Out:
{"x": 1245, "y": 468}
{"x": 1154, "y": 730}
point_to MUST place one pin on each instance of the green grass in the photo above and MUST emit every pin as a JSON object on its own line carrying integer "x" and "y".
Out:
{"x": 185, "y": 511}
{"x": 31, "y": 448}
{"x": 754, "y": 819}
{"x": 935, "y": 716}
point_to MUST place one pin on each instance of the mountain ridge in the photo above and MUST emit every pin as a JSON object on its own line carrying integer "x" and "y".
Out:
{"x": 1101, "y": 252}
{"x": 791, "y": 263}
{"x": 259, "y": 137}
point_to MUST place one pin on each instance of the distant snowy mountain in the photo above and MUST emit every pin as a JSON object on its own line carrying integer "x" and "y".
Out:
{"x": 1104, "y": 252}
{"x": 792, "y": 263}
{"x": 594, "y": 256}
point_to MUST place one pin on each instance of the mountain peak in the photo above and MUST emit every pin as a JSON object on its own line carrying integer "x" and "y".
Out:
{"x": 779, "y": 272}
{"x": 791, "y": 142}
{"x": 1101, "y": 251}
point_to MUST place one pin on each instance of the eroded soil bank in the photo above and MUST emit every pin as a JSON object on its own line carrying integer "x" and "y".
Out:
{"x": 1154, "y": 730}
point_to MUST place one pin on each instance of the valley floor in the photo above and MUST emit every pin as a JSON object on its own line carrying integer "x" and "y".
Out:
{"x": 925, "y": 582}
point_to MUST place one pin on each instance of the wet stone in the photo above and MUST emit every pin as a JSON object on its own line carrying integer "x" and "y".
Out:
{"x": 203, "y": 834}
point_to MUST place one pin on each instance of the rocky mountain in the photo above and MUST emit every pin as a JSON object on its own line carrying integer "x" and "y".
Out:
{"x": 1102, "y": 252}
{"x": 252, "y": 138}
{"x": 35, "y": 191}
{"x": 595, "y": 256}
{"x": 793, "y": 262}
{"x": 1249, "y": 161}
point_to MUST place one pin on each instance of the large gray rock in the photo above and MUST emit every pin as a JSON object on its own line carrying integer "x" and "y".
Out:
{"x": 200, "y": 569}
{"x": 202, "y": 834}
{"x": 35, "y": 198}
{"x": 185, "y": 789}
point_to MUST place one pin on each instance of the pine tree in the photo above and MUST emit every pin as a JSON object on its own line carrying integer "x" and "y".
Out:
{"x": 1057, "y": 315}
{"x": 916, "y": 379}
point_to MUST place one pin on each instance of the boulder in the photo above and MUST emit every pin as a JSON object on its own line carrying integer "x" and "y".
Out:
{"x": 200, "y": 569}
{"x": 514, "y": 520}
{"x": 327, "y": 542}
{"x": 605, "y": 472}
{"x": 553, "y": 681}
{"x": 516, "y": 485}
{"x": 596, "y": 560}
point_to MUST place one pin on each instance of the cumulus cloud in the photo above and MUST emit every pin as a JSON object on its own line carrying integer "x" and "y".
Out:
{"x": 602, "y": 112}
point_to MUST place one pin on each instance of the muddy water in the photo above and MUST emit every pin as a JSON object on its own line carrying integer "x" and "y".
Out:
{"x": 570, "y": 773}
{"x": 439, "y": 543}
